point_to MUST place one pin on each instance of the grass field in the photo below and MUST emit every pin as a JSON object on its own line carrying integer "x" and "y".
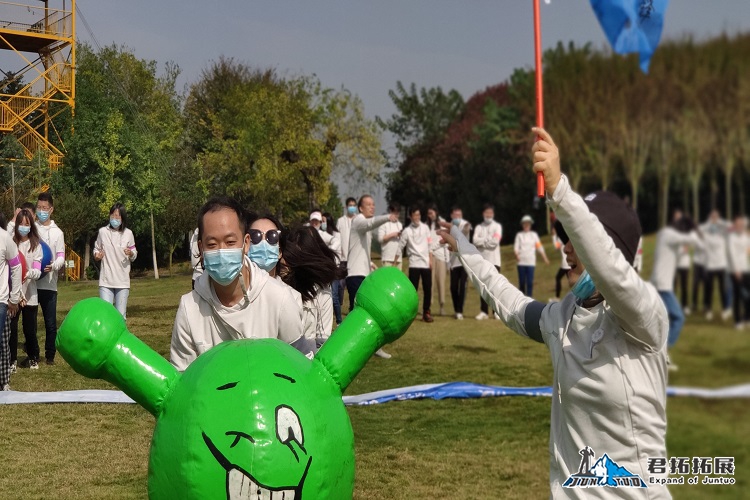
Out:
{"x": 476, "y": 449}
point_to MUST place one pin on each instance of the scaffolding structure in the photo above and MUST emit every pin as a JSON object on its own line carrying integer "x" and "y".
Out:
{"x": 43, "y": 39}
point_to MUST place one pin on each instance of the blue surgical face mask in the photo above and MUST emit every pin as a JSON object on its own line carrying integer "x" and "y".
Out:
{"x": 323, "y": 226}
{"x": 266, "y": 256}
{"x": 24, "y": 230}
{"x": 115, "y": 223}
{"x": 584, "y": 287}
{"x": 223, "y": 265}
{"x": 352, "y": 210}
{"x": 456, "y": 222}
{"x": 42, "y": 215}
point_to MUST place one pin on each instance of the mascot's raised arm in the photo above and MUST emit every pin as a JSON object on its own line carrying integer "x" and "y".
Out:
{"x": 249, "y": 418}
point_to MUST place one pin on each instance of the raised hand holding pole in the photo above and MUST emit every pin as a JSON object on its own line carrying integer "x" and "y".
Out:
{"x": 539, "y": 91}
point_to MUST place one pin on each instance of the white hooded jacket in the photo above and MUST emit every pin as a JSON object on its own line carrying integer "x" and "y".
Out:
{"x": 269, "y": 310}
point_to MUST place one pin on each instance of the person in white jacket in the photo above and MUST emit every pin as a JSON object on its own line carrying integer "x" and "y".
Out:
{"x": 715, "y": 231}
{"x": 525, "y": 246}
{"x": 487, "y": 236}
{"x": 669, "y": 241}
{"x": 440, "y": 256}
{"x": 115, "y": 250}
{"x": 27, "y": 239}
{"x": 337, "y": 290}
{"x": 738, "y": 248}
{"x": 10, "y": 297}
{"x": 233, "y": 298}
{"x": 46, "y": 286}
{"x": 415, "y": 238}
{"x": 388, "y": 237}
{"x": 607, "y": 338}
{"x": 344, "y": 227}
{"x": 360, "y": 246}
{"x": 195, "y": 257}
{"x": 458, "y": 274}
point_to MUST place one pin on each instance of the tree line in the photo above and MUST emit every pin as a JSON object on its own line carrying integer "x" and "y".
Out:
{"x": 677, "y": 136}
{"x": 272, "y": 142}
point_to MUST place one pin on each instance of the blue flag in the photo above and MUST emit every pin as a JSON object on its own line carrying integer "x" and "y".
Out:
{"x": 632, "y": 25}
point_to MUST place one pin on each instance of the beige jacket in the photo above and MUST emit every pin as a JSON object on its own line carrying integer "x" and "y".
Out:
{"x": 609, "y": 361}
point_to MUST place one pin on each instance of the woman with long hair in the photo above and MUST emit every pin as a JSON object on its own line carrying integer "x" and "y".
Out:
{"x": 115, "y": 249}
{"x": 26, "y": 238}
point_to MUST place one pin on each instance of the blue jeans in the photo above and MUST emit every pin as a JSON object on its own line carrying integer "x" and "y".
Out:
{"x": 116, "y": 296}
{"x": 526, "y": 280}
{"x": 676, "y": 317}
{"x": 48, "y": 305}
{"x": 336, "y": 291}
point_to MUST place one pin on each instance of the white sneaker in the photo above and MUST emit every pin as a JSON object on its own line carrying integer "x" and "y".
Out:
{"x": 687, "y": 311}
{"x": 709, "y": 315}
{"x": 6, "y": 387}
{"x": 459, "y": 316}
{"x": 13, "y": 367}
{"x": 442, "y": 311}
{"x": 739, "y": 327}
{"x": 481, "y": 316}
{"x": 382, "y": 354}
{"x": 726, "y": 314}
{"x": 497, "y": 316}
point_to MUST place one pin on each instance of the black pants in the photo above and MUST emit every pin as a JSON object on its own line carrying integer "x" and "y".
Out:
{"x": 708, "y": 293}
{"x": 699, "y": 278}
{"x": 681, "y": 278}
{"x": 558, "y": 280}
{"x": 426, "y": 274}
{"x": 741, "y": 303}
{"x": 29, "y": 333}
{"x": 48, "y": 304}
{"x": 482, "y": 304}
{"x": 458, "y": 288}
{"x": 352, "y": 285}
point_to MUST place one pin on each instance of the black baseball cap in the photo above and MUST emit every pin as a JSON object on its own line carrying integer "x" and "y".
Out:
{"x": 619, "y": 220}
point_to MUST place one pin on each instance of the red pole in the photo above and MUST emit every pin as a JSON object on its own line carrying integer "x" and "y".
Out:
{"x": 539, "y": 91}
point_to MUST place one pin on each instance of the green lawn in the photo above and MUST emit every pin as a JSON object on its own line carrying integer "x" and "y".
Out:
{"x": 479, "y": 449}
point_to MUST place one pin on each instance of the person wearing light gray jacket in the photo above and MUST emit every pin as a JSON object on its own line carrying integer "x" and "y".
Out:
{"x": 607, "y": 338}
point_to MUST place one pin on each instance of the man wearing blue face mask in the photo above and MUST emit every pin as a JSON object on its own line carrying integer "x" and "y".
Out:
{"x": 233, "y": 298}
{"x": 607, "y": 338}
{"x": 47, "y": 284}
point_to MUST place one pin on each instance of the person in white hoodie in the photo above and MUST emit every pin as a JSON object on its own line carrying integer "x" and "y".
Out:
{"x": 738, "y": 247}
{"x": 344, "y": 227}
{"x": 10, "y": 296}
{"x": 669, "y": 241}
{"x": 233, "y": 298}
{"x": 415, "y": 238}
{"x": 525, "y": 246}
{"x": 606, "y": 339}
{"x": 46, "y": 286}
{"x": 27, "y": 239}
{"x": 115, "y": 250}
{"x": 360, "y": 246}
{"x": 440, "y": 256}
{"x": 487, "y": 236}
{"x": 715, "y": 231}
{"x": 388, "y": 237}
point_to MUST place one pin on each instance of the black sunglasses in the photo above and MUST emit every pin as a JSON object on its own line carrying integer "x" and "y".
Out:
{"x": 272, "y": 236}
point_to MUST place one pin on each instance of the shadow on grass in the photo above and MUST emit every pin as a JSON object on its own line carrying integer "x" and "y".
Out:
{"x": 474, "y": 349}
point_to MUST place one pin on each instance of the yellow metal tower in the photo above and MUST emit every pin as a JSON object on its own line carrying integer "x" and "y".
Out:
{"x": 43, "y": 39}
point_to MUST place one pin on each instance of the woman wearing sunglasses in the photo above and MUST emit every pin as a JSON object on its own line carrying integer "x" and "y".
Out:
{"x": 301, "y": 260}
{"x": 233, "y": 298}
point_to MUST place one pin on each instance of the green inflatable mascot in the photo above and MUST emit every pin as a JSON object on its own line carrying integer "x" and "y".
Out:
{"x": 249, "y": 418}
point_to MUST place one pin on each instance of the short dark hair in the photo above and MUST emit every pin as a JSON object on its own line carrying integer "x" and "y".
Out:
{"x": 394, "y": 207}
{"x": 28, "y": 206}
{"x": 488, "y": 206}
{"x": 414, "y": 209}
{"x": 217, "y": 203}
{"x": 361, "y": 199}
{"x": 123, "y": 215}
{"x": 45, "y": 196}
{"x": 455, "y": 207}
{"x": 350, "y": 200}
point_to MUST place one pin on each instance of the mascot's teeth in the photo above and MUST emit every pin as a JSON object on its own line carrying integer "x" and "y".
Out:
{"x": 241, "y": 487}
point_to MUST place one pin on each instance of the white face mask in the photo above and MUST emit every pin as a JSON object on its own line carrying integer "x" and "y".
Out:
{"x": 487, "y": 220}
{"x": 415, "y": 224}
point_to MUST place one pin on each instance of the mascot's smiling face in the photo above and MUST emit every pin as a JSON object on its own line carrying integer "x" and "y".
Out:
{"x": 260, "y": 421}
